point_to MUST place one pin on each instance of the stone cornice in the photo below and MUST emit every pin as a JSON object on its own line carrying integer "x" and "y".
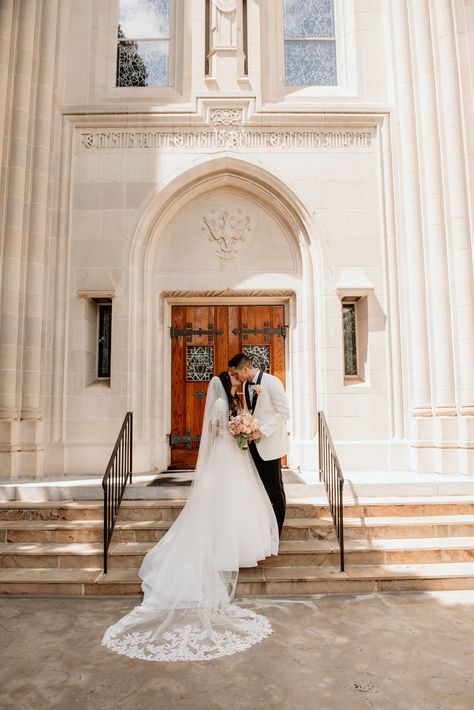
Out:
{"x": 221, "y": 113}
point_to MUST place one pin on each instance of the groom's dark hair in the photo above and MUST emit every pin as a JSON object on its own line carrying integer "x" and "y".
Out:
{"x": 240, "y": 360}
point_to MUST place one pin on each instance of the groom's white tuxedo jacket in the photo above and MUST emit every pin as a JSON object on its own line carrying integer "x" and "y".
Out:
{"x": 272, "y": 412}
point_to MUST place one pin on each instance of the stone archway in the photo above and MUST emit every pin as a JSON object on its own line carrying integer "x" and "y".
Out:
{"x": 175, "y": 255}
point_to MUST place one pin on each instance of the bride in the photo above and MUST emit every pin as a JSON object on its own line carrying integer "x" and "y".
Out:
{"x": 190, "y": 575}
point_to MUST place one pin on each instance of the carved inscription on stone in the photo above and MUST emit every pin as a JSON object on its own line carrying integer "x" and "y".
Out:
{"x": 215, "y": 138}
{"x": 227, "y": 229}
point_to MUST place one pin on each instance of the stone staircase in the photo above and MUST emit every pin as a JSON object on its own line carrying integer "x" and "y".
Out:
{"x": 415, "y": 543}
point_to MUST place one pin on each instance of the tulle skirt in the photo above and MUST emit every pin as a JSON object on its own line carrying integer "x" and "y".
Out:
{"x": 189, "y": 577}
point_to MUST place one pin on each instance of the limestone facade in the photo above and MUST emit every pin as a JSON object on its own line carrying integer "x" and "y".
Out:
{"x": 362, "y": 190}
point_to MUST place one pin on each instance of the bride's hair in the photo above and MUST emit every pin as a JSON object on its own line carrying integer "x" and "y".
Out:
{"x": 234, "y": 400}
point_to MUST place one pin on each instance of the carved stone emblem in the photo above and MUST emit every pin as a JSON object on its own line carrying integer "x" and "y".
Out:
{"x": 227, "y": 229}
{"x": 226, "y": 116}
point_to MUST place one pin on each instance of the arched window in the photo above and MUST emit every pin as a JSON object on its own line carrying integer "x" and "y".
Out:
{"x": 310, "y": 43}
{"x": 143, "y": 43}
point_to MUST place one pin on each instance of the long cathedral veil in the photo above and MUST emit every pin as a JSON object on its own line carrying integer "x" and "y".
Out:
{"x": 186, "y": 612}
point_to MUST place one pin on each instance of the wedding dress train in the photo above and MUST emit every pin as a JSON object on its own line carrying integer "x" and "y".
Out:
{"x": 189, "y": 577}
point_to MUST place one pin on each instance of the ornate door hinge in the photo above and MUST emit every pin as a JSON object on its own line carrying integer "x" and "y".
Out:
{"x": 188, "y": 439}
{"x": 279, "y": 330}
{"x": 189, "y": 331}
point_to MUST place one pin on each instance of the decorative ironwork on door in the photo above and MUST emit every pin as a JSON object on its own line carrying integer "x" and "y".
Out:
{"x": 259, "y": 355}
{"x": 199, "y": 363}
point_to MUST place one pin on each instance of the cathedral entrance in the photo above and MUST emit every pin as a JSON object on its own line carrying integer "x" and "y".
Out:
{"x": 203, "y": 339}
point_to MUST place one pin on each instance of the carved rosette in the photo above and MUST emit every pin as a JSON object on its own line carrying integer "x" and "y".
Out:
{"x": 227, "y": 229}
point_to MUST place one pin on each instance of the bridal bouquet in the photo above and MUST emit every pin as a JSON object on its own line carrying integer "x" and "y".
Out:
{"x": 241, "y": 426}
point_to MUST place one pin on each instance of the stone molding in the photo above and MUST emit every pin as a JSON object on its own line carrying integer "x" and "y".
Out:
{"x": 231, "y": 293}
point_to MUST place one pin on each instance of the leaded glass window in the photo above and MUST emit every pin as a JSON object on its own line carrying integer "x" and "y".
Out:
{"x": 143, "y": 43}
{"x": 259, "y": 355}
{"x": 104, "y": 340}
{"x": 310, "y": 43}
{"x": 350, "y": 345}
{"x": 199, "y": 363}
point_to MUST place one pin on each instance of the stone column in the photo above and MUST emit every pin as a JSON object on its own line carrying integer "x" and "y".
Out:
{"x": 6, "y": 34}
{"x": 28, "y": 141}
{"x": 31, "y": 404}
{"x": 411, "y": 221}
{"x": 428, "y": 132}
{"x": 14, "y": 244}
{"x": 457, "y": 218}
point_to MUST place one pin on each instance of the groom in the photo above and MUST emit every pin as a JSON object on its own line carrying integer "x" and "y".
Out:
{"x": 265, "y": 397}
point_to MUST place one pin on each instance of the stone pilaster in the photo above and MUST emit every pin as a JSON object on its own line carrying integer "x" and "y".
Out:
{"x": 30, "y": 403}
{"x": 456, "y": 181}
{"x": 432, "y": 204}
{"x": 31, "y": 77}
{"x": 6, "y": 34}
{"x": 410, "y": 198}
{"x": 437, "y": 232}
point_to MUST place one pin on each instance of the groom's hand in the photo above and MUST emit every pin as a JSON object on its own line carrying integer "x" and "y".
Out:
{"x": 255, "y": 435}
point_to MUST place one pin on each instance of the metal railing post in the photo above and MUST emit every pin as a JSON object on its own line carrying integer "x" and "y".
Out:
{"x": 114, "y": 482}
{"x": 330, "y": 473}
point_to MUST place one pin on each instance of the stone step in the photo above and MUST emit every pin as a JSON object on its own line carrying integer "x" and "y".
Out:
{"x": 318, "y": 507}
{"x": 130, "y": 530}
{"x": 129, "y": 510}
{"x": 294, "y": 529}
{"x": 129, "y": 555}
{"x": 408, "y": 526}
{"x": 51, "y": 531}
{"x": 63, "y": 555}
{"x": 296, "y": 508}
{"x": 50, "y": 510}
{"x": 272, "y": 581}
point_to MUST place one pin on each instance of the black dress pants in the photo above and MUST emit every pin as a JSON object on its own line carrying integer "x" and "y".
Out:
{"x": 270, "y": 473}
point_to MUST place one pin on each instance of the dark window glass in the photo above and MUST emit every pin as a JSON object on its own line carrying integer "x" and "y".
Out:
{"x": 350, "y": 346}
{"x": 105, "y": 340}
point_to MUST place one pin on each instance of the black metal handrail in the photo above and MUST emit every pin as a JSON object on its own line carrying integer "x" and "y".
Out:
{"x": 117, "y": 473}
{"x": 330, "y": 473}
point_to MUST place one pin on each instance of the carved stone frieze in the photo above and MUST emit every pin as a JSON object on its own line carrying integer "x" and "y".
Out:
{"x": 226, "y": 137}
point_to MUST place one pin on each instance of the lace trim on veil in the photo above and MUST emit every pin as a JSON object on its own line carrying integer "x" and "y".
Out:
{"x": 198, "y": 640}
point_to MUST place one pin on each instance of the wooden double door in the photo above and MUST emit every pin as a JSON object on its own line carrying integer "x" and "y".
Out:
{"x": 203, "y": 339}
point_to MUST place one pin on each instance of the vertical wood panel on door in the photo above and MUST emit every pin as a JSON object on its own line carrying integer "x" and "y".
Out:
{"x": 203, "y": 338}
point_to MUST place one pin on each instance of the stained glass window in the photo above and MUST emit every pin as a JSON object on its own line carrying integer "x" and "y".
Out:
{"x": 143, "y": 43}
{"x": 105, "y": 340}
{"x": 259, "y": 355}
{"x": 199, "y": 363}
{"x": 310, "y": 43}
{"x": 350, "y": 345}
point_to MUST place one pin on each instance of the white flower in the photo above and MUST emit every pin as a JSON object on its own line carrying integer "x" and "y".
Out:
{"x": 258, "y": 389}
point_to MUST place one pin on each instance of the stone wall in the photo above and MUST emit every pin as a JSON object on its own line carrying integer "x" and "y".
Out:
{"x": 361, "y": 190}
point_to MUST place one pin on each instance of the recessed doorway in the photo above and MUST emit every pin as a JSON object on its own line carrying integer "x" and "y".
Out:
{"x": 204, "y": 338}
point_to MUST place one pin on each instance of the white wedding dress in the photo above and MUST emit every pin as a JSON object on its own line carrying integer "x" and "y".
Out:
{"x": 189, "y": 577}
